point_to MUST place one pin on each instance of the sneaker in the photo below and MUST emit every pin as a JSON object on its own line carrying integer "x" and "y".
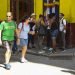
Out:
{"x": 50, "y": 49}
{"x": 7, "y": 66}
{"x": 44, "y": 48}
{"x": 23, "y": 60}
{"x": 63, "y": 50}
{"x": 33, "y": 46}
{"x": 40, "y": 52}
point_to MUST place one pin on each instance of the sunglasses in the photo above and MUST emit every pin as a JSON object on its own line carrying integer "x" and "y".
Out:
{"x": 8, "y": 16}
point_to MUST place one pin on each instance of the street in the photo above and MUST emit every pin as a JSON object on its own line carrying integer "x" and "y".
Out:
{"x": 38, "y": 65}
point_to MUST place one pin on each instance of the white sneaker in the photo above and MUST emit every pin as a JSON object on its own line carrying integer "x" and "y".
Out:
{"x": 44, "y": 48}
{"x": 50, "y": 49}
{"x": 23, "y": 60}
{"x": 40, "y": 52}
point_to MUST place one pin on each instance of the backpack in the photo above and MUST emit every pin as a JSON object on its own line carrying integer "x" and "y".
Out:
{"x": 22, "y": 26}
{"x": 42, "y": 30}
{"x": 66, "y": 22}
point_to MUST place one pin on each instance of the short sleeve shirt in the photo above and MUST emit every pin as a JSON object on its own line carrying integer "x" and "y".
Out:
{"x": 62, "y": 24}
{"x": 24, "y": 30}
{"x": 8, "y": 30}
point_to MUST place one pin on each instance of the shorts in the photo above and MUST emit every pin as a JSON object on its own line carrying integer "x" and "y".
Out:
{"x": 8, "y": 44}
{"x": 23, "y": 42}
{"x": 54, "y": 33}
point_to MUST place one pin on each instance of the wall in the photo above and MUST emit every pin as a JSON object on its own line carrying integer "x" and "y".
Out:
{"x": 73, "y": 11}
{"x": 38, "y": 7}
{"x": 68, "y": 8}
{"x": 4, "y": 7}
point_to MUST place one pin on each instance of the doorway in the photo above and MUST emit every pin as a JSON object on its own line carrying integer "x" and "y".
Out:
{"x": 20, "y": 8}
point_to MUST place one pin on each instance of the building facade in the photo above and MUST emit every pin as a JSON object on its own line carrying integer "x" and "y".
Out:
{"x": 4, "y": 7}
{"x": 27, "y": 7}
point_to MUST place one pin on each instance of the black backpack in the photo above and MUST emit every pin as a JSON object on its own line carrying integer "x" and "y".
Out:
{"x": 42, "y": 30}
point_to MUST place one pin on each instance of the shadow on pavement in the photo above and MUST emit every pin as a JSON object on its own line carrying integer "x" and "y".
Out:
{"x": 68, "y": 71}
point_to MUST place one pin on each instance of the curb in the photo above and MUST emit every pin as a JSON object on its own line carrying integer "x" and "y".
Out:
{"x": 52, "y": 54}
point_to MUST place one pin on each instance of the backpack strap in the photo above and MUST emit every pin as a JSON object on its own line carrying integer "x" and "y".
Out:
{"x": 22, "y": 26}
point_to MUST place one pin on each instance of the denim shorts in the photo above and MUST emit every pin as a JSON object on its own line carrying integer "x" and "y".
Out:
{"x": 23, "y": 42}
{"x": 54, "y": 33}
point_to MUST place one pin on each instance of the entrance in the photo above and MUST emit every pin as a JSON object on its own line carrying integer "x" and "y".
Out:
{"x": 50, "y": 6}
{"x": 20, "y": 8}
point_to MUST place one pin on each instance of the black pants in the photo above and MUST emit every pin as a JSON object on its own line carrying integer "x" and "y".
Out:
{"x": 62, "y": 41}
{"x": 31, "y": 39}
{"x": 14, "y": 48}
{"x": 48, "y": 38}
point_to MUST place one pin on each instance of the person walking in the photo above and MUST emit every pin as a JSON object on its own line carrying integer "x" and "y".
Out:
{"x": 24, "y": 30}
{"x": 7, "y": 32}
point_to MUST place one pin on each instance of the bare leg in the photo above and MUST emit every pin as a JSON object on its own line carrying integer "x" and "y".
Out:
{"x": 7, "y": 56}
{"x": 54, "y": 43}
{"x": 24, "y": 49}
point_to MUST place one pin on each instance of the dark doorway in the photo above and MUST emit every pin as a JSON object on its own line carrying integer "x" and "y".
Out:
{"x": 20, "y": 8}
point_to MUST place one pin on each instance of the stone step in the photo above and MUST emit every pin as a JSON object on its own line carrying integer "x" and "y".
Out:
{"x": 50, "y": 54}
{"x": 58, "y": 55}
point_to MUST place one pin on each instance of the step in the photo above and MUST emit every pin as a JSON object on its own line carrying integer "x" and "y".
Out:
{"x": 58, "y": 54}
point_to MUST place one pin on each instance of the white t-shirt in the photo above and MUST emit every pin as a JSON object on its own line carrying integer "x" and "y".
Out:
{"x": 62, "y": 24}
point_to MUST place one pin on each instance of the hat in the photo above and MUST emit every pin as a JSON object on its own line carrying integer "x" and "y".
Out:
{"x": 33, "y": 14}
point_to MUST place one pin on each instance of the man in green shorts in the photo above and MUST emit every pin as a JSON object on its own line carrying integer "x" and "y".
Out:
{"x": 7, "y": 32}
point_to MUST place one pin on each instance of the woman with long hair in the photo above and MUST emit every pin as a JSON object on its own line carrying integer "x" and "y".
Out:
{"x": 24, "y": 30}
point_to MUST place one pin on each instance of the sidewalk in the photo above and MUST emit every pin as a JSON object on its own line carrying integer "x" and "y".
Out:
{"x": 35, "y": 69}
{"x": 38, "y": 65}
{"x": 67, "y": 52}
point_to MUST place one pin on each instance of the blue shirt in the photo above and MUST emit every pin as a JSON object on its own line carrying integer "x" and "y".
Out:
{"x": 24, "y": 30}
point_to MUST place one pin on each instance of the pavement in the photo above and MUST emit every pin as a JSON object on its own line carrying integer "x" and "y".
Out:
{"x": 35, "y": 69}
{"x": 60, "y": 63}
{"x": 66, "y": 52}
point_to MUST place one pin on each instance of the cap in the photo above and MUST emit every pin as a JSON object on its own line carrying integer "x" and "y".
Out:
{"x": 33, "y": 14}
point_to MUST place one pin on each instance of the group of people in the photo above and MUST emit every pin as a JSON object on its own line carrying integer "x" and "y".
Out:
{"x": 46, "y": 27}
{"x": 51, "y": 29}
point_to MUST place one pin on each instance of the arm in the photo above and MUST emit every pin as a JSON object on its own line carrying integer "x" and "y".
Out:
{"x": 18, "y": 30}
{"x": 0, "y": 34}
{"x": 64, "y": 22}
{"x": 32, "y": 32}
{"x": 0, "y": 37}
{"x": 1, "y": 28}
